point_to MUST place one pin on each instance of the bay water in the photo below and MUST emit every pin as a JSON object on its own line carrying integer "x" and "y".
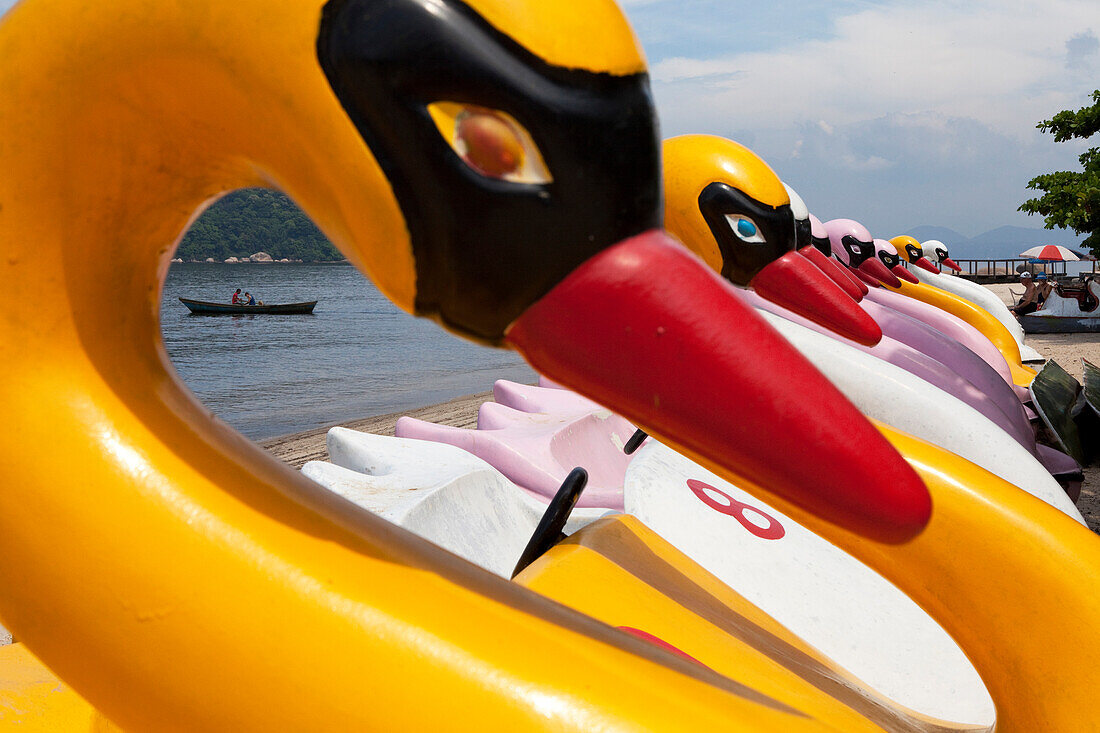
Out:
{"x": 358, "y": 355}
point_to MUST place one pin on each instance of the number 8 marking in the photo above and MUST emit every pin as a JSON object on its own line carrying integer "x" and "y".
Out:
{"x": 736, "y": 509}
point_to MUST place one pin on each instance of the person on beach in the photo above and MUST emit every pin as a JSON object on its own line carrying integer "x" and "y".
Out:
{"x": 1043, "y": 286}
{"x": 237, "y": 297}
{"x": 1028, "y": 301}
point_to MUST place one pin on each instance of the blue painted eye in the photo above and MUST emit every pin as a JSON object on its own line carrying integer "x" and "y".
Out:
{"x": 745, "y": 228}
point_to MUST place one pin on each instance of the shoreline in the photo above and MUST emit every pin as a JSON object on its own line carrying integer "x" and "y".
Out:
{"x": 247, "y": 261}
{"x": 296, "y": 449}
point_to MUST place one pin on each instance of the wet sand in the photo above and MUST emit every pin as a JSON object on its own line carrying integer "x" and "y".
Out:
{"x": 299, "y": 448}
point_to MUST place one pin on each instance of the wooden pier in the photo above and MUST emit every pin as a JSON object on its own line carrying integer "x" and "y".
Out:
{"x": 1008, "y": 270}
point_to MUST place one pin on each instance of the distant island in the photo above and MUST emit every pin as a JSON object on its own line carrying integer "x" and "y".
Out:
{"x": 255, "y": 220}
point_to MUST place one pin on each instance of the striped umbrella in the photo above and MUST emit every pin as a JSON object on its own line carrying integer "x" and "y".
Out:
{"x": 1050, "y": 252}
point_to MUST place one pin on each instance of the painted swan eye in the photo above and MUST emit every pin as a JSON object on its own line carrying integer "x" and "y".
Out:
{"x": 745, "y": 228}
{"x": 490, "y": 142}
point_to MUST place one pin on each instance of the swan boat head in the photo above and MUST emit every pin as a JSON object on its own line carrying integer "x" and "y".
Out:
{"x": 939, "y": 250}
{"x": 914, "y": 253}
{"x": 727, "y": 206}
{"x": 888, "y": 255}
{"x": 809, "y": 238}
{"x": 854, "y": 246}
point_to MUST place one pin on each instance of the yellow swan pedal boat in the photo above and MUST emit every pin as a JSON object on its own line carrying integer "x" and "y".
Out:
{"x": 492, "y": 165}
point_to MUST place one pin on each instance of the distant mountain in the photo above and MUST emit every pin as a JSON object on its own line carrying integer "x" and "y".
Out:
{"x": 925, "y": 232}
{"x": 1002, "y": 242}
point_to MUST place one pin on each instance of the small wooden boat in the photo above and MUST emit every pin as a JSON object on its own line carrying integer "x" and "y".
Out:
{"x": 201, "y": 307}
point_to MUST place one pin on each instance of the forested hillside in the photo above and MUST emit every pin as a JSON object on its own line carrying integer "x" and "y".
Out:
{"x": 255, "y": 220}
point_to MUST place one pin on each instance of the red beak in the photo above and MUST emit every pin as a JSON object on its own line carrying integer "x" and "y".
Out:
{"x": 877, "y": 270}
{"x": 927, "y": 265}
{"x": 848, "y": 273}
{"x": 867, "y": 280}
{"x": 904, "y": 274}
{"x": 793, "y": 282}
{"x": 646, "y": 330}
{"x": 951, "y": 263}
{"x": 833, "y": 271}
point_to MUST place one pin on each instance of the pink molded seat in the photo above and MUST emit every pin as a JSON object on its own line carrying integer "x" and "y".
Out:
{"x": 536, "y": 447}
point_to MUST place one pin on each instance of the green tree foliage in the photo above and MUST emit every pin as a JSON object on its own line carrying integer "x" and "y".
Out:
{"x": 255, "y": 220}
{"x": 1071, "y": 200}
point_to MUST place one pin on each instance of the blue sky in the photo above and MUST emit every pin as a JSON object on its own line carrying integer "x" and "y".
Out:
{"x": 893, "y": 113}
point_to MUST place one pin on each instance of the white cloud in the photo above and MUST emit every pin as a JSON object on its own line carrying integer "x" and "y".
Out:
{"x": 1001, "y": 63}
{"x": 901, "y": 114}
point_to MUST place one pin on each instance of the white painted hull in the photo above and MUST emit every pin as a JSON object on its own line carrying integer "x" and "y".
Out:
{"x": 834, "y": 602}
{"x": 910, "y": 404}
{"x": 439, "y": 492}
{"x": 825, "y": 596}
{"x": 1006, "y": 413}
{"x": 822, "y": 594}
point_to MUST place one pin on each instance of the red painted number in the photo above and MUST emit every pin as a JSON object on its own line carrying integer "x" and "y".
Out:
{"x": 736, "y": 509}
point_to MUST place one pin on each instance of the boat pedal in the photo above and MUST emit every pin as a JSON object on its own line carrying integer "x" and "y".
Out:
{"x": 549, "y": 530}
{"x": 635, "y": 441}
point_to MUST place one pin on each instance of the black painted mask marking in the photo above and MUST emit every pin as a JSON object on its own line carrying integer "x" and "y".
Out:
{"x": 857, "y": 251}
{"x": 942, "y": 253}
{"x": 803, "y": 236}
{"x": 741, "y": 260}
{"x": 823, "y": 244}
{"x": 888, "y": 259}
{"x": 486, "y": 249}
{"x": 914, "y": 252}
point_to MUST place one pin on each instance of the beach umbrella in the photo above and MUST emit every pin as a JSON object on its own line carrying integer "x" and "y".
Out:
{"x": 1050, "y": 252}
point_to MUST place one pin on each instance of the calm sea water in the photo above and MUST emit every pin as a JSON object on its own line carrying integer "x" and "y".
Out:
{"x": 358, "y": 355}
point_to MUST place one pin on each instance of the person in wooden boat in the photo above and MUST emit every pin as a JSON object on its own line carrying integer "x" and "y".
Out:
{"x": 249, "y": 300}
{"x": 237, "y": 297}
{"x": 1028, "y": 301}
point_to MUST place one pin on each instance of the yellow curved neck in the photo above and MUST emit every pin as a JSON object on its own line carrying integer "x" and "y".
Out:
{"x": 128, "y": 117}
